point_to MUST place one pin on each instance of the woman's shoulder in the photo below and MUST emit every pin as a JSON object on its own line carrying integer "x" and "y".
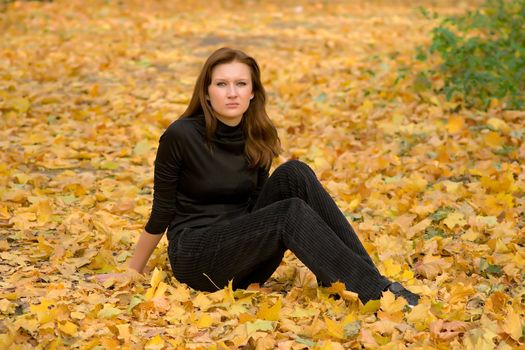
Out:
{"x": 186, "y": 126}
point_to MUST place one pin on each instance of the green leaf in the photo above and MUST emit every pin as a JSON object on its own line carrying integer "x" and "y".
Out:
{"x": 52, "y": 119}
{"x": 135, "y": 300}
{"x": 482, "y": 55}
{"x": 371, "y": 306}
{"x": 320, "y": 98}
{"x": 505, "y": 150}
{"x": 145, "y": 63}
{"x": 494, "y": 270}
{"x": 21, "y": 105}
{"x": 259, "y": 325}
{"x": 487, "y": 268}
{"x": 392, "y": 179}
{"x": 305, "y": 341}
{"x": 109, "y": 311}
{"x": 123, "y": 256}
{"x": 432, "y": 231}
{"x": 421, "y": 82}
{"x": 421, "y": 54}
{"x": 141, "y": 147}
{"x": 108, "y": 165}
{"x": 353, "y": 217}
{"x": 69, "y": 199}
{"x": 352, "y": 329}
{"x": 440, "y": 214}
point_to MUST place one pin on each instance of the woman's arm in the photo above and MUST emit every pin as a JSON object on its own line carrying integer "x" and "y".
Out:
{"x": 168, "y": 163}
{"x": 143, "y": 249}
{"x": 262, "y": 176}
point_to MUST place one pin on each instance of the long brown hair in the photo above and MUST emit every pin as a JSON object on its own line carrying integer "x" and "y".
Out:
{"x": 262, "y": 141}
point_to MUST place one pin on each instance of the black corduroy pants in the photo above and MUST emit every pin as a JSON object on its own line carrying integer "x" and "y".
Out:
{"x": 293, "y": 212}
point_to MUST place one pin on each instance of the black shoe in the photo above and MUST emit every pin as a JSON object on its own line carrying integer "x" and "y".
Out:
{"x": 399, "y": 291}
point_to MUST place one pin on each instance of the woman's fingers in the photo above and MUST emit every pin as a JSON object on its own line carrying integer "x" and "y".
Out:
{"x": 130, "y": 274}
{"x": 105, "y": 276}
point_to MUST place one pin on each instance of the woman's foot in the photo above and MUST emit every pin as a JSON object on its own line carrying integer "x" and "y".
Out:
{"x": 399, "y": 291}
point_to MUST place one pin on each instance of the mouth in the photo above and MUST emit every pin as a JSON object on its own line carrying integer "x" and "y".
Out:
{"x": 232, "y": 105}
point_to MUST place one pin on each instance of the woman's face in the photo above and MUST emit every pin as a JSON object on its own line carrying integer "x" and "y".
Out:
{"x": 230, "y": 91}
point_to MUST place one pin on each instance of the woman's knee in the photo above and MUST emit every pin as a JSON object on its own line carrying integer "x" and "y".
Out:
{"x": 295, "y": 207}
{"x": 295, "y": 168}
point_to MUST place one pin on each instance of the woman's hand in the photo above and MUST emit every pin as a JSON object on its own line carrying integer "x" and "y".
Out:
{"x": 143, "y": 249}
{"x": 129, "y": 274}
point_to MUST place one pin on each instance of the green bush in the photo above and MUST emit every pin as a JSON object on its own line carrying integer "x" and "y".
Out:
{"x": 482, "y": 55}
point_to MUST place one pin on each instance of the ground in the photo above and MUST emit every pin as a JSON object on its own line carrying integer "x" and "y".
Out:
{"x": 435, "y": 191}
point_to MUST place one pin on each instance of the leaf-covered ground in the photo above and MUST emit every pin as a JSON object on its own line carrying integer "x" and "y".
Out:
{"x": 437, "y": 193}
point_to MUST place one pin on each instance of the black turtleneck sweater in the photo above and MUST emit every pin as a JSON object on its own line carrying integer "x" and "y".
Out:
{"x": 197, "y": 186}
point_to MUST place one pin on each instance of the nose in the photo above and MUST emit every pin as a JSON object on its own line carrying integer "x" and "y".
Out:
{"x": 232, "y": 91}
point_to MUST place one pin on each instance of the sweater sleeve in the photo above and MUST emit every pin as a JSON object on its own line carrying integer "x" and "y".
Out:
{"x": 262, "y": 176}
{"x": 167, "y": 169}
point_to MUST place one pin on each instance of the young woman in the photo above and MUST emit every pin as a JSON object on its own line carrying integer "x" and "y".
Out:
{"x": 227, "y": 219}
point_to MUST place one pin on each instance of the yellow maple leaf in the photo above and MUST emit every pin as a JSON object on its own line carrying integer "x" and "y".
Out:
{"x": 421, "y": 316}
{"x": 6, "y": 340}
{"x": 78, "y": 315}
{"x": 55, "y": 344}
{"x": 155, "y": 343}
{"x": 43, "y": 212}
{"x": 479, "y": 339}
{"x": 161, "y": 290}
{"x": 259, "y": 325}
{"x": 371, "y": 306}
{"x": 269, "y": 313}
{"x": 390, "y": 304}
{"x": 124, "y": 332}
{"x": 321, "y": 164}
{"x": 432, "y": 265}
{"x": 366, "y": 106}
{"x": 459, "y": 293}
{"x": 471, "y": 235}
{"x": 202, "y": 301}
{"x": 455, "y": 124}
{"x": 354, "y": 203}
{"x": 455, "y": 219}
{"x": 21, "y": 178}
{"x": 391, "y": 268}
{"x": 44, "y": 247}
{"x": 504, "y": 183}
{"x": 45, "y": 312}
{"x": 204, "y": 321}
{"x": 68, "y": 328}
{"x": 156, "y": 278}
{"x": 30, "y": 325}
{"x": 496, "y": 302}
{"x": 108, "y": 311}
{"x": 498, "y": 124}
{"x": 419, "y": 227}
{"x": 512, "y": 324}
{"x": 415, "y": 183}
{"x": 335, "y": 329}
{"x": 494, "y": 140}
{"x": 452, "y": 187}
{"x": 4, "y": 212}
{"x": 6, "y": 306}
{"x": 20, "y": 104}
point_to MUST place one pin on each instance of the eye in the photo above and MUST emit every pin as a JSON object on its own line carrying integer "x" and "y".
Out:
{"x": 241, "y": 83}
{"x": 221, "y": 84}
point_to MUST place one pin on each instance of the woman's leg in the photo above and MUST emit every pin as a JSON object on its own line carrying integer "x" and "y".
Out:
{"x": 251, "y": 247}
{"x": 296, "y": 179}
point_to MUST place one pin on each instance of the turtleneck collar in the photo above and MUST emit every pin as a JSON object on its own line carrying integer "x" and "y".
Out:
{"x": 224, "y": 130}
